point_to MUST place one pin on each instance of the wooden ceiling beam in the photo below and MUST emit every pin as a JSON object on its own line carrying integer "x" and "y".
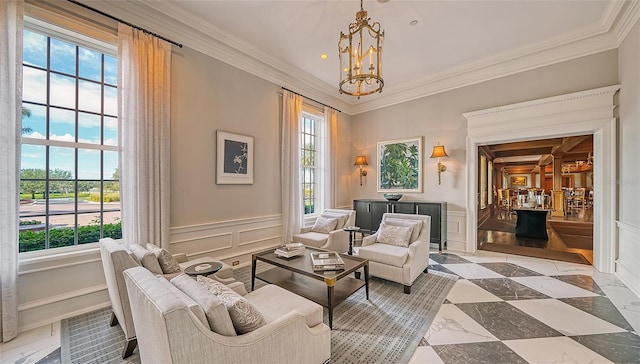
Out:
{"x": 526, "y": 145}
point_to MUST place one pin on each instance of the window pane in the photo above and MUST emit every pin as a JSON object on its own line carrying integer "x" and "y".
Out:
{"x": 61, "y": 214}
{"x": 111, "y": 165}
{"x": 88, "y": 128}
{"x": 63, "y": 57}
{"x": 89, "y": 96}
{"x": 88, "y": 191}
{"x": 110, "y": 100}
{"x": 110, "y": 131}
{"x": 34, "y": 85}
{"x": 61, "y": 163}
{"x": 63, "y": 91}
{"x": 62, "y": 125}
{"x": 110, "y": 70}
{"x": 34, "y": 49}
{"x": 33, "y": 157}
{"x": 90, "y": 63}
{"x": 34, "y": 121}
{"x": 31, "y": 191}
{"x": 88, "y": 222}
{"x": 88, "y": 164}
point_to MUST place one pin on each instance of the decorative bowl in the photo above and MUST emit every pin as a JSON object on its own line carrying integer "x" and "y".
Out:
{"x": 392, "y": 196}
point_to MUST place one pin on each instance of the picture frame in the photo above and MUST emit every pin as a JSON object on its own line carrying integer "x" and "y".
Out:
{"x": 518, "y": 180}
{"x": 234, "y": 163}
{"x": 399, "y": 165}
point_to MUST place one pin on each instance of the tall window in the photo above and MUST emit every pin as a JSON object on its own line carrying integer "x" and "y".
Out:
{"x": 311, "y": 172}
{"x": 69, "y": 177}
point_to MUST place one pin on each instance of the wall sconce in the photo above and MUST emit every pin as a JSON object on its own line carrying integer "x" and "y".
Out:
{"x": 361, "y": 161}
{"x": 439, "y": 152}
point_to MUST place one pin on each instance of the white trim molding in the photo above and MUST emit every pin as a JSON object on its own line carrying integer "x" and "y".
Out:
{"x": 628, "y": 256}
{"x": 586, "y": 112}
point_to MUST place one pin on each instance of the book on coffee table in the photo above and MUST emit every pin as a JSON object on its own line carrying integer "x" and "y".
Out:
{"x": 289, "y": 252}
{"x": 326, "y": 261}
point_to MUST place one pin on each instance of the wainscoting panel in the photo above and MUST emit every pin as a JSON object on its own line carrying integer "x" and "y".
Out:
{"x": 627, "y": 268}
{"x": 456, "y": 231}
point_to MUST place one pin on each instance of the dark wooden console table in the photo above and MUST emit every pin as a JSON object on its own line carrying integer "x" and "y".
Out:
{"x": 369, "y": 215}
{"x": 532, "y": 223}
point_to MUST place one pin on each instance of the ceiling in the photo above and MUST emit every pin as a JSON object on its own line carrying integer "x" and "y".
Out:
{"x": 529, "y": 156}
{"x": 453, "y": 44}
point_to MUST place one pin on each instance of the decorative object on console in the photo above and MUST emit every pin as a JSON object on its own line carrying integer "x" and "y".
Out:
{"x": 392, "y": 196}
{"x": 360, "y": 52}
{"x": 439, "y": 152}
{"x": 234, "y": 158}
{"x": 361, "y": 161}
{"x": 400, "y": 165}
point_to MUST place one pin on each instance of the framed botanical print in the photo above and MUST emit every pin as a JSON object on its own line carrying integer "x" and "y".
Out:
{"x": 400, "y": 165}
{"x": 234, "y": 159}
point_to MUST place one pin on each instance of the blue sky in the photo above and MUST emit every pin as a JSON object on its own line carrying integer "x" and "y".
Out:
{"x": 62, "y": 93}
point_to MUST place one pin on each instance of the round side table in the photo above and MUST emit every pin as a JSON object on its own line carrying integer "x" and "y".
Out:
{"x": 352, "y": 236}
{"x": 203, "y": 269}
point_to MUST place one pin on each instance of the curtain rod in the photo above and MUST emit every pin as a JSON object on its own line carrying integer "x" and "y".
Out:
{"x": 323, "y": 104}
{"x": 124, "y": 22}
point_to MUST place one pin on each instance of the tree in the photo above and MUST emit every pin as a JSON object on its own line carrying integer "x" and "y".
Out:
{"x": 26, "y": 113}
{"x": 32, "y": 187}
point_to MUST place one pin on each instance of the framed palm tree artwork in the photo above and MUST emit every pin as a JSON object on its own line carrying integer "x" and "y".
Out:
{"x": 234, "y": 158}
{"x": 400, "y": 165}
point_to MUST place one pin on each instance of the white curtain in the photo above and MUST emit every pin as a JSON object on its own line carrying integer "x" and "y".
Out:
{"x": 144, "y": 80}
{"x": 10, "y": 125}
{"x": 290, "y": 165}
{"x": 329, "y": 160}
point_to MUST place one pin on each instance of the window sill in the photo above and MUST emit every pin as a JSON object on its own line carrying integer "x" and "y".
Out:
{"x": 51, "y": 255}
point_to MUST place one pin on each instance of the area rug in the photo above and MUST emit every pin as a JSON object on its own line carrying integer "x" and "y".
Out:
{"x": 385, "y": 329}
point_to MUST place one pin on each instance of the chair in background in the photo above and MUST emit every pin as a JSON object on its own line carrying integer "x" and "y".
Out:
{"x": 327, "y": 233}
{"x": 399, "y": 250}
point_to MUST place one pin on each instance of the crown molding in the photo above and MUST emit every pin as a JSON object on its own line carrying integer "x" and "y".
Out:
{"x": 168, "y": 19}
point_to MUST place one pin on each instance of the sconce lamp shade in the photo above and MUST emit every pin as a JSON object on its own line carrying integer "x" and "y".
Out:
{"x": 361, "y": 161}
{"x": 439, "y": 152}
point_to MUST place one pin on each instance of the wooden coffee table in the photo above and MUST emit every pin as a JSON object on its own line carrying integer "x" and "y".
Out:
{"x": 326, "y": 288}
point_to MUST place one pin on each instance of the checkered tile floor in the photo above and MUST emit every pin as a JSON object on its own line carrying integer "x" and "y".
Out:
{"x": 511, "y": 309}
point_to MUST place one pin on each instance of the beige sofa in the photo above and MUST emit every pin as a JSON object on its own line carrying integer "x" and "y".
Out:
{"x": 396, "y": 263}
{"x": 116, "y": 258}
{"x": 171, "y": 328}
{"x": 335, "y": 240}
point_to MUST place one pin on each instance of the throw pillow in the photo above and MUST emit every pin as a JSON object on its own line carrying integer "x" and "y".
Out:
{"x": 342, "y": 218}
{"x": 394, "y": 235}
{"x": 147, "y": 258}
{"x": 325, "y": 225}
{"x": 244, "y": 315}
{"x": 215, "y": 311}
{"x": 415, "y": 226}
{"x": 167, "y": 262}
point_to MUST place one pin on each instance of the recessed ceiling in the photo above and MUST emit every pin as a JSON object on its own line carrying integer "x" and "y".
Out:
{"x": 450, "y": 40}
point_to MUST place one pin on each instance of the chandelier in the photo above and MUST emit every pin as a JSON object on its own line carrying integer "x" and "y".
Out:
{"x": 360, "y": 54}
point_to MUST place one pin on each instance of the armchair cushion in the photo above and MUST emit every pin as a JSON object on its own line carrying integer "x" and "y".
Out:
{"x": 274, "y": 302}
{"x": 325, "y": 224}
{"x": 342, "y": 218}
{"x": 244, "y": 315}
{"x": 146, "y": 258}
{"x": 394, "y": 235}
{"x": 312, "y": 239}
{"x": 387, "y": 254}
{"x": 191, "y": 304}
{"x": 167, "y": 262}
{"x": 214, "y": 309}
{"x": 416, "y": 226}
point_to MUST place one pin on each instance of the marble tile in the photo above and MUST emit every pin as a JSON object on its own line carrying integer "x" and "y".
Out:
{"x": 447, "y": 258}
{"x": 53, "y": 358}
{"x": 600, "y": 307}
{"x": 553, "y": 287}
{"x": 478, "y": 353}
{"x": 440, "y": 268}
{"x": 508, "y": 289}
{"x": 452, "y": 326}
{"x": 432, "y": 262}
{"x": 425, "y": 354}
{"x": 620, "y": 348}
{"x": 557, "y": 350}
{"x": 506, "y": 322}
{"x": 565, "y": 318}
{"x": 31, "y": 346}
{"x": 482, "y": 256}
{"x": 509, "y": 269}
{"x": 582, "y": 281}
{"x": 464, "y": 291}
{"x": 550, "y": 267}
{"x": 627, "y": 303}
{"x": 471, "y": 271}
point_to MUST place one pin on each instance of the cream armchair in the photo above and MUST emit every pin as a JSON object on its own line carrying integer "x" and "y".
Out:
{"x": 171, "y": 328}
{"x": 116, "y": 258}
{"x": 332, "y": 236}
{"x": 388, "y": 259}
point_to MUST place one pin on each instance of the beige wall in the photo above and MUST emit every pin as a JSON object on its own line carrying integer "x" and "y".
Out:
{"x": 439, "y": 118}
